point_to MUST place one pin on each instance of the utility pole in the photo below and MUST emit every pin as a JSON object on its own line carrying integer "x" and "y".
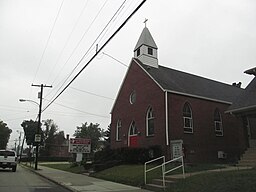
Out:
{"x": 38, "y": 135}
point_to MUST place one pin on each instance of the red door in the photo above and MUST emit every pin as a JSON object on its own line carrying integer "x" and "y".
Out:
{"x": 134, "y": 141}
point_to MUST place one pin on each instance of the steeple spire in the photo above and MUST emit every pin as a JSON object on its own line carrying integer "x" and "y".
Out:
{"x": 146, "y": 49}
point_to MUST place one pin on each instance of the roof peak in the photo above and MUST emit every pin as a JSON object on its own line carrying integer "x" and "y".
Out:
{"x": 145, "y": 39}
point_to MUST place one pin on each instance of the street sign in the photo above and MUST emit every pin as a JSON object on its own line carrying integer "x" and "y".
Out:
{"x": 79, "y": 145}
{"x": 37, "y": 138}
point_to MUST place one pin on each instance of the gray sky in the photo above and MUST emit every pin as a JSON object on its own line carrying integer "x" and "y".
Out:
{"x": 43, "y": 41}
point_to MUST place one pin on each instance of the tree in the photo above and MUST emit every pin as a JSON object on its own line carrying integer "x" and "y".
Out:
{"x": 107, "y": 137}
{"x": 91, "y": 131}
{"x": 30, "y": 128}
{"x": 5, "y": 133}
{"x": 51, "y": 136}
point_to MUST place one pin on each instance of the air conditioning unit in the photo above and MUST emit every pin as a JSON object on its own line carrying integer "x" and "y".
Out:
{"x": 222, "y": 155}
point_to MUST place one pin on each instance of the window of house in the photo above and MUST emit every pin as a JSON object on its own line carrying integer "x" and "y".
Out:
{"x": 218, "y": 123}
{"x": 187, "y": 119}
{"x": 150, "y": 122}
{"x": 133, "y": 129}
{"x": 133, "y": 97}
{"x": 138, "y": 52}
{"x": 150, "y": 51}
{"x": 118, "y": 130}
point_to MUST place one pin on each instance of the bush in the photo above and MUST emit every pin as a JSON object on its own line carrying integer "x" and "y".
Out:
{"x": 127, "y": 155}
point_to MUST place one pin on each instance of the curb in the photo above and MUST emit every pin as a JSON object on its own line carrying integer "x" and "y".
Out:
{"x": 49, "y": 179}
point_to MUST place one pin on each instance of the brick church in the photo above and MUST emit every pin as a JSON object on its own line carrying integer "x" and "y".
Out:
{"x": 182, "y": 113}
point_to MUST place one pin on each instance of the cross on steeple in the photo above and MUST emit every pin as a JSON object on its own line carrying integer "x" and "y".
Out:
{"x": 145, "y": 22}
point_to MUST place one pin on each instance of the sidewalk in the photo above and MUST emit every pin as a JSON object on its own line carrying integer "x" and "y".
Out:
{"x": 82, "y": 183}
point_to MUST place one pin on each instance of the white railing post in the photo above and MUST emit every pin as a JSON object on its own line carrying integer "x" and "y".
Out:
{"x": 145, "y": 174}
{"x": 145, "y": 167}
{"x": 163, "y": 172}
{"x": 183, "y": 170}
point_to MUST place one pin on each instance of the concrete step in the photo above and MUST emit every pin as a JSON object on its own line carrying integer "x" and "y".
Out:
{"x": 160, "y": 182}
{"x": 249, "y": 157}
{"x": 154, "y": 187}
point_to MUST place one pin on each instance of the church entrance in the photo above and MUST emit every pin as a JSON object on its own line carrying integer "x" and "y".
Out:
{"x": 133, "y": 135}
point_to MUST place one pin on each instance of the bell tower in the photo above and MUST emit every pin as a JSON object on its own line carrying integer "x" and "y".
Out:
{"x": 146, "y": 49}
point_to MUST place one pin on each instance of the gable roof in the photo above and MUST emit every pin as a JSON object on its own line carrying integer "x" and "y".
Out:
{"x": 145, "y": 39}
{"x": 246, "y": 101}
{"x": 191, "y": 85}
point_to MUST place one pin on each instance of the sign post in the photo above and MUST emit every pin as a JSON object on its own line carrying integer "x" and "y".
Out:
{"x": 79, "y": 145}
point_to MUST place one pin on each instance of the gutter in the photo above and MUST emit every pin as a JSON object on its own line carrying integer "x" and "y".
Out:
{"x": 166, "y": 119}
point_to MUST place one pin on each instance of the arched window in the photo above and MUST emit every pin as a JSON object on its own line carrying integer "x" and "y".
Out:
{"x": 218, "y": 123}
{"x": 133, "y": 129}
{"x": 187, "y": 119}
{"x": 118, "y": 130}
{"x": 150, "y": 122}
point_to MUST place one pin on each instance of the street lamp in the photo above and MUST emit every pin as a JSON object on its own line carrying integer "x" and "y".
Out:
{"x": 37, "y": 135}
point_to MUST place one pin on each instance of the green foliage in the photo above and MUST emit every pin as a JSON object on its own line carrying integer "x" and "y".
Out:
{"x": 128, "y": 155}
{"x": 30, "y": 128}
{"x": 91, "y": 131}
{"x": 4, "y": 135}
{"x": 51, "y": 136}
{"x": 107, "y": 137}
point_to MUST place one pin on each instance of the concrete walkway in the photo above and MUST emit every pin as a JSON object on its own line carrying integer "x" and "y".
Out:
{"x": 82, "y": 183}
{"x": 227, "y": 168}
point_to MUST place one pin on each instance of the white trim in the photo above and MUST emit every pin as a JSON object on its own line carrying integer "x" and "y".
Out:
{"x": 121, "y": 86}
{"x": 166, "y": 119}
{"x": 147, "y": 119}
{"x": 199, "y": 97}
{"x": 150, "y": 76}
{"x": 241, "y": 109}
{"x": 118, "y": 127}
{"x": 128, "y": 142}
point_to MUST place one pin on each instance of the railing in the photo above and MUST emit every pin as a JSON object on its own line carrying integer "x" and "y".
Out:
{"x": 173, "y": 169}
{"x": 153, "y": 168}
{"x": 163, "y": 165}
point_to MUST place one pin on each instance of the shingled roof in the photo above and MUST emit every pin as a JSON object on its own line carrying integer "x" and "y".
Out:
{"x": 192, "y": 85}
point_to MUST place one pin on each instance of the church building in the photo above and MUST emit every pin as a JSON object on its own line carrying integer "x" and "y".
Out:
{"x": 182, "y": 113}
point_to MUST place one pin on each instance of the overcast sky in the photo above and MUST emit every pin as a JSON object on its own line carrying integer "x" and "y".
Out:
{"x": 42, "y": 42}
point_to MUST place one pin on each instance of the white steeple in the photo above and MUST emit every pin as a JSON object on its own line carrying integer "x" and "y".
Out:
{"x": 146, "y": 49}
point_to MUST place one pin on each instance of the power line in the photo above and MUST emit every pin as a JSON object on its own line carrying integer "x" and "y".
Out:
{"x": 91, "y": 93}
{"x": 115, "y": 59}
{"x": 93, "y": 114}
{"x": 90, "y": 48}
{"x": 41, "y": 58}
{"x": 66, "y": 43}
{"x": 79, "y": 42}
{"x": 110, "y": 38}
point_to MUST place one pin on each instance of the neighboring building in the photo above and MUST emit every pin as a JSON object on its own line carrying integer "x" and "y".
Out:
{"x": 180, "y": 112}
{"x": 245, "y": 107}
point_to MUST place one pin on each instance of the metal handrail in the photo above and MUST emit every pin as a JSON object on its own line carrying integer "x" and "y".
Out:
{"x": 151, "y": 161}
{"x": 177, "y": 167}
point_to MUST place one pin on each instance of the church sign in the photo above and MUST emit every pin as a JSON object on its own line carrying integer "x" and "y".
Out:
{"x": 79, "y": 145}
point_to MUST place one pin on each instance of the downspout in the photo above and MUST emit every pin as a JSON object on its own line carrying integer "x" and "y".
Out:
{"x": 166, "y": 119}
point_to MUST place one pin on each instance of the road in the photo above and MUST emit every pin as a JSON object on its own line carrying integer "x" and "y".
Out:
{"x": 24, "y": 180}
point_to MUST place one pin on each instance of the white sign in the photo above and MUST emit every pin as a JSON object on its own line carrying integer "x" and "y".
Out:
{"x": 37, "y": 138}
{"x": 79, "y": 145}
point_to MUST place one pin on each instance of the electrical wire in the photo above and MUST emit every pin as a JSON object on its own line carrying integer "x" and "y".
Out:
{"x": 66, "y": 43}
{"x": 77, "y": 45}
{"x": 90, "y": 48}
{"x": 88, "y": 113}
{"x": 115, "y": 59}
{"x": 48, "y": 40}
{"x": 92, "y": 58}
{"x": 91, "y": 93}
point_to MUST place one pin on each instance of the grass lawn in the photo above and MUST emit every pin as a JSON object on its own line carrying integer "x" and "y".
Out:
{"x": 222, "y": 181}
{"x": 65, "y": 167}
{"x": 230, "y": 181}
